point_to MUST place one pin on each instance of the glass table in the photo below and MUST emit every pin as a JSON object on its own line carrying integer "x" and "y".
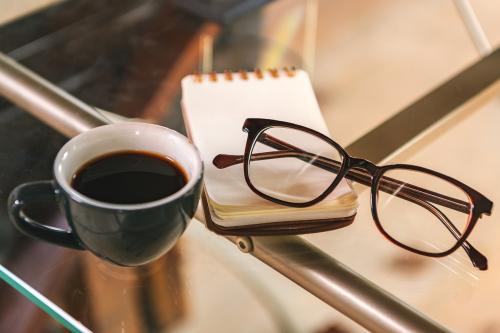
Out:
{"x": 128, "y": 58}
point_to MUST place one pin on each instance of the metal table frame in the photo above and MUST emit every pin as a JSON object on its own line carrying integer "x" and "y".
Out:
{"x": 309, "y": 267}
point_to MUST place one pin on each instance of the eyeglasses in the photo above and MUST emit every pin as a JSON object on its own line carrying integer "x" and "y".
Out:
{"x": 418, "y": 209}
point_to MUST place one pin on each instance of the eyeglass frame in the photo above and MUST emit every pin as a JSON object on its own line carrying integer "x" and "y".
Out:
{"x": 478, "y": 202}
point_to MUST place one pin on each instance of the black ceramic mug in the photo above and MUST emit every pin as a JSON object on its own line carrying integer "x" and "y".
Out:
{"x": 125, "y": 234}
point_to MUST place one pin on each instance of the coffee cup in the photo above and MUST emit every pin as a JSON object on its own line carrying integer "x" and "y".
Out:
{"x": 128, "y": 234}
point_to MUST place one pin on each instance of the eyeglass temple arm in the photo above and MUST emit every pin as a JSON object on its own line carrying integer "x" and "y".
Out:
{"x": 364, "y": 177}
{"x": 355, "y": 174}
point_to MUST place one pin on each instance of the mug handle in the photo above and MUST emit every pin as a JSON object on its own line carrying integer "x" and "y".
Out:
{"x": 38, "y": 191}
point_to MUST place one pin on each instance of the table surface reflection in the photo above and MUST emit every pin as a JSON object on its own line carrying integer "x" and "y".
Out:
{"x": 128, "y": 58}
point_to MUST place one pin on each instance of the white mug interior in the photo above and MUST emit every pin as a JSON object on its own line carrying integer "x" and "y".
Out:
{"x": 128, "y": 136}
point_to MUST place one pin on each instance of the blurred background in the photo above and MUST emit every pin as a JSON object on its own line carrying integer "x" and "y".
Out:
{"x": 367, "y": 60}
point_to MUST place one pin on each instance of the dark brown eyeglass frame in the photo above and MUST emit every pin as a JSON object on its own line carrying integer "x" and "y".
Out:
{"x": 369, "y": 174}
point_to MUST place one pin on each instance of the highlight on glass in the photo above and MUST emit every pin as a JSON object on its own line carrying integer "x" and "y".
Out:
{"x": 418, "y": 209}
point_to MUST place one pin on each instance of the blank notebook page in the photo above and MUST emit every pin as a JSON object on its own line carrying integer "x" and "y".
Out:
{"x": 214, "y": 113}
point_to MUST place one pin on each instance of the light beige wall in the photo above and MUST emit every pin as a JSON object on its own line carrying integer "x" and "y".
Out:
{"x": 12, "y": 9}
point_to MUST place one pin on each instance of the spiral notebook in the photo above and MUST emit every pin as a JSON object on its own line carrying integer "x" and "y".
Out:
{"x": 214, "y": 108}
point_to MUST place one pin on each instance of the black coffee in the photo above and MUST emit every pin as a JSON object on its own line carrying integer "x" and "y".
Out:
{"x": 129, "y": 177}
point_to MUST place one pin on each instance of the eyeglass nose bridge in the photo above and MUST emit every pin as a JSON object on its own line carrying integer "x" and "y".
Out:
{"x": 363, "y": 164}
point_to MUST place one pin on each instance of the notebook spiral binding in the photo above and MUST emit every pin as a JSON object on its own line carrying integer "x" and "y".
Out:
{"x": 244, "y": 75}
